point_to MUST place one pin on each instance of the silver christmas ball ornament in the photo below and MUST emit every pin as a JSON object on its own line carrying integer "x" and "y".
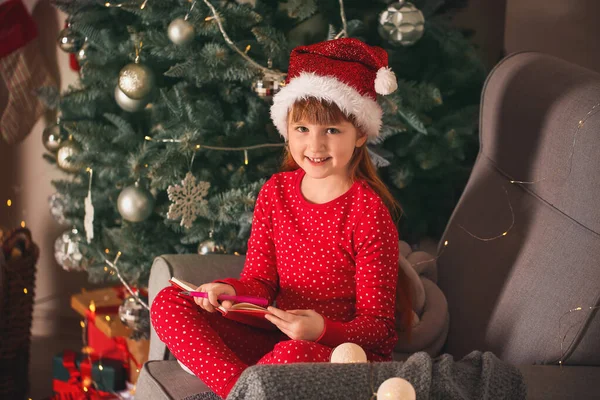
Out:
{"x": 136, "y": 80}
{"x": 67, "y": 251}
{"x": 401, "y": 24}
{"x": 135, "y": 203}
{"x": 127, "y": 103}
{"x": 181, "y": 31}
{"x": 52, "y": 137}
{"x": 210, "y": 247}
{"x": 132, "y": 314}
{"x": 267, "y": 87}
{"x": 64, "y": 156}
{"x": 70, "y": 41}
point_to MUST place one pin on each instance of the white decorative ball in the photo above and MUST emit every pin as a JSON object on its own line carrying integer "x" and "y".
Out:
{"x": 396, "y": 389}
{"x": 348, "y": 353}
{"x": 180, "y": 31}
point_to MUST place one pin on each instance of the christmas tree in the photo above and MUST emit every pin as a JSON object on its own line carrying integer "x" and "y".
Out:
{"x": 167, "y": 138}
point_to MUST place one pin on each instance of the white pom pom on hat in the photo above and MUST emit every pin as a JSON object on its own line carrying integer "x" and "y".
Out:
{"x": 385, "y": 81}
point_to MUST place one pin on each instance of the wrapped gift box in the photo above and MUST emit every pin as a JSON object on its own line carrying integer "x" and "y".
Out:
{"x": 72, "y": 372}
{"x": 107, "y": 337}
{"x": 105, "y": 304}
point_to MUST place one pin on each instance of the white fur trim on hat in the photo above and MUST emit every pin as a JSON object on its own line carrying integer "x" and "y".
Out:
{"x": 366, "y": 111}
{"x": 385, "y": 81}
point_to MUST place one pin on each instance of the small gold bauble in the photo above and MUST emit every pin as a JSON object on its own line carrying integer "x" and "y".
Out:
{"x": 66, "y": 151}
{"x": 136, "y": 81}
{"x": 210, "y": 247}
{"x": 70, "y": 41}
{"x": 180, "y": 31}
{"x": 82, "y": 53}
{"x": 53, "y": 137}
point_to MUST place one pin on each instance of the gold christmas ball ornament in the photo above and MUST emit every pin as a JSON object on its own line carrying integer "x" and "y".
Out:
{"x": 136, "y": 81}
{"x": 82, "y": 53}
{"x": 70, "y": 41}
{"x": 65, "y": 154}
{"x": 210, "y": 247}
{"x": 135, "y": 203}
{"x": 52, "y": 137}
{"x": 127, "y": 103}
{"x": 181, "y": 31}
{"x": 401, "y": 24}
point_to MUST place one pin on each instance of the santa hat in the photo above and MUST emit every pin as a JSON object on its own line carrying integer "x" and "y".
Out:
{"x": 346, "y": 72}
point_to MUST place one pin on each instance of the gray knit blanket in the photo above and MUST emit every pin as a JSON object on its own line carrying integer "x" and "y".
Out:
{"x": 477, "y": 376}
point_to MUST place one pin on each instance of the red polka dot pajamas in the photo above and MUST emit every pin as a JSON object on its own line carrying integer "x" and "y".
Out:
{"x": 339, "y": 258}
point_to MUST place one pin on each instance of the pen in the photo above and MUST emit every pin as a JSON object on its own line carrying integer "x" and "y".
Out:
{"x": 259, "y": 301}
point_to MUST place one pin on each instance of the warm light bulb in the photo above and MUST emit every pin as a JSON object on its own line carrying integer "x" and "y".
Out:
{"x": 82, "y": 324}
{"x": 92, "y": 306}
{"x": 446, "y": 243}
{"x": 504, "y": 234}
{"x": 100, "y": 367}
{"x": 247, "y": 49}
{"x": 25, "y": 290}
{"x": 107, "y": 251}
{"x": 9, "y": 202}
{"x": 22, "y": 224}
{"x": 107, "y": 317}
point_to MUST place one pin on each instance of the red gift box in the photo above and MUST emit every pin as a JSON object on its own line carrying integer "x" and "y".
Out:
{"x": 107, "y": 337}
{"x": 79, "y": 385}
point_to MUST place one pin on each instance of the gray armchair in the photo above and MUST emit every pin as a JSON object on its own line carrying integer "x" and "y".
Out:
{"x": 505, "y": 295}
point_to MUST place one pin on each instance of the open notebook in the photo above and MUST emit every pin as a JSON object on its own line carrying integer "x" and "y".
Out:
{"x": 245, "y": 313}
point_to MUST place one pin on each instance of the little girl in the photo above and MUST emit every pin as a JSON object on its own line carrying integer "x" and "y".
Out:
{"x": 323, "y": 244}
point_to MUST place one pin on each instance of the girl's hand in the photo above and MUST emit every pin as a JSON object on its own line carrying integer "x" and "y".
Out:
{"x": 214, "y": 290}
{"x": 298, "y": 324}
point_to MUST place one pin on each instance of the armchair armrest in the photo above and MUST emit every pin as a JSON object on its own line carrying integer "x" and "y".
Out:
{"x": 193, "y": 268}
{"x": 546, "y": 382}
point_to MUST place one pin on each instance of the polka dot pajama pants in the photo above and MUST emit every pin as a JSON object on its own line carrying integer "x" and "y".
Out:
{"x": 217, "y": 349}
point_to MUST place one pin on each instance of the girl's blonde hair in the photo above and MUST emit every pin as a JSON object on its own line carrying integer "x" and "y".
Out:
{"x": 321, "y": 112}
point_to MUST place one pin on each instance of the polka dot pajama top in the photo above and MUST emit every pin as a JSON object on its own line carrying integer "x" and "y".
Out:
{"x": 339, "y": 258}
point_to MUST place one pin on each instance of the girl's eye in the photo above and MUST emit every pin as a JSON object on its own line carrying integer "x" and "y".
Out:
{"x": 333, "y": 130}
{"x": 302, "y": 129}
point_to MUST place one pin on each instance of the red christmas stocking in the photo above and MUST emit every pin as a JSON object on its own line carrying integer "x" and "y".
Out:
{"x": 22, "y": 71}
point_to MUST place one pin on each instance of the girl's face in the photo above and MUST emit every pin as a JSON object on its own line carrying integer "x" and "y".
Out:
{"x": 324, "y": 151}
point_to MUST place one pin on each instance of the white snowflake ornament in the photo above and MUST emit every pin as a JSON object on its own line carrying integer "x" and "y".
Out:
{"x": 187, "y": 199}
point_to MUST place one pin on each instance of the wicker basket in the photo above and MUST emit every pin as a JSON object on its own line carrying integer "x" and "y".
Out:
{"x": 18, "y": 259}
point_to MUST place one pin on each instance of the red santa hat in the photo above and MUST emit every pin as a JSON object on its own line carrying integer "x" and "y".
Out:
{"x": 344, "y": 71}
